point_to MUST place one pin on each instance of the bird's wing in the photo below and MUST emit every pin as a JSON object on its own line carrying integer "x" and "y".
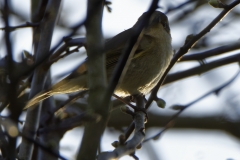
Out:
{"x": 113, "y": 50}
{"x": 113, "y": 57}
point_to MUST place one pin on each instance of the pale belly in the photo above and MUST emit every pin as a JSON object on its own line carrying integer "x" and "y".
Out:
{"x": 142, "y": 77}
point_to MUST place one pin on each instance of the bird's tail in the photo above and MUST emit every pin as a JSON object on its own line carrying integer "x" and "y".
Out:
{"x": 38, "y": 98}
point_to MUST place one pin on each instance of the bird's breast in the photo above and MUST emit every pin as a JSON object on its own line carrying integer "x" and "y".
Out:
{"x": 146, "y": 67}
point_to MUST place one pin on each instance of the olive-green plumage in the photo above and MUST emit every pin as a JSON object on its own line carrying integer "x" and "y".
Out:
{"x": 147, "y": 65}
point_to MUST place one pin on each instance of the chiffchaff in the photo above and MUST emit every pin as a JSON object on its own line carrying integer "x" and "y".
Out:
{"x": 147, "y": 65}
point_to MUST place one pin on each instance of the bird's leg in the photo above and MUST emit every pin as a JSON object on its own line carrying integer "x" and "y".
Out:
{"x": 132, "y": 99}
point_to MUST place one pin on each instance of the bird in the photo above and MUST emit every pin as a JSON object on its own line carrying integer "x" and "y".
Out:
{"x": 147, "y": 65}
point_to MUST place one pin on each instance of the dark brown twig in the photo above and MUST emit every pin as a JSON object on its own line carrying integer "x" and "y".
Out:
{"x": 211, "y": 52}
{"x": 28, "y": 24}
{"x": 123, "y": 59}
{"x": 71, "y": 100}
{"x": 202, "y": 68}
{"x": 68, "y": 43}
{"x": 179, "y": 6}
{"x": 44, "y": 32}
{"x": 130, "y": 146}
{"x": 12, "y": 96}
{"x": 181, "y": 108}
{"x": 45, "y": 148}
{"x": 124, "y": 101}
{"x": 62, "y": 56}
{"x": 69, "y": 123}
{"x": 183, "y": 50}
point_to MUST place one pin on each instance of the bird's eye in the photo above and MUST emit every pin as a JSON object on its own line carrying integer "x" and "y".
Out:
{"x": 164, "y": 24}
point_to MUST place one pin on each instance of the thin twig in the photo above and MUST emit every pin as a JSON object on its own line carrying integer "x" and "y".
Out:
{"x": 129, "y": 49}
{"x": 183, "y": 107}
{"x": 183, "y": 50}
{"x": 45, "y": 33}
{"x": 179, "y": 6}
{"x": 211, "y": 52}
{"x": 96, "y": 81}
{"x": 130, "y": 146}
{"x": 12, "y": 96}
{"x": 3, "y": 143}
{"x": 69, "y": 123}
{"x": 124, "y": 101}
{"x": 80, "y": 42}
{"x": 44, "y": 58}
{"x": 74, "y": 30}
{"x": 28, "y": 24}
{"x": 71, "y": 100}
{"x": 124, "y": 57}
{"x": 43, "y": 147}
{"x": 202, "y": 68}
{"x": 62, "y": 56}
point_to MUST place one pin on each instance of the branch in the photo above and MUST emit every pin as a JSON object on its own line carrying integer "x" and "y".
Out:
{"x": 183, "y": 50}
{"x": 180, "y": 53}
{"x": 14, "y": 108}
{"x": 89, "y": 130}
{"x": 52, "y": 141}
{"x": 96, "y": 81}
{"x": 211, "y": 52}
{"x": 70, "y": 123}
{"x": 26, "y": 70}
{"x": 170, "y": 9}
{"x": 62, "y": 56}
{"x": 43, "y": 147}
{"x": 74, "y": 30}
{"x": 202, "y": 68}
{"x": 181, "y": 108}
{"x": 119, "y": 120}
{"x": 28, "y": 24}
{"x": 130, "y": 48}
{"x": 68, "y": 43}
{"x": 42, "y": 50}
{"x": 129, "y": 147}
{"x": 49, "y": 116}
{"x": 3, "y": 143}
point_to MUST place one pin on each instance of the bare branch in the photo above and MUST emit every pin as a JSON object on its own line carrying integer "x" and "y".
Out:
{"x": 28, "y": 24}
{"x": 96, "y": 81}
{"x": 129, "y": 147}
{"x": 183, "y": 50}
{"x": 69, "y": 43}
{"x": 202, "y": 68}
{"x": 48, "y": 150}
{"x": 14, "y": 108}
{"x": 70, "y": 123}
{"x": 181, "y": 108}
{"x": 42, "y": 50}
{"x": 211, "y": 52}
{"x": 179, "y": 6}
